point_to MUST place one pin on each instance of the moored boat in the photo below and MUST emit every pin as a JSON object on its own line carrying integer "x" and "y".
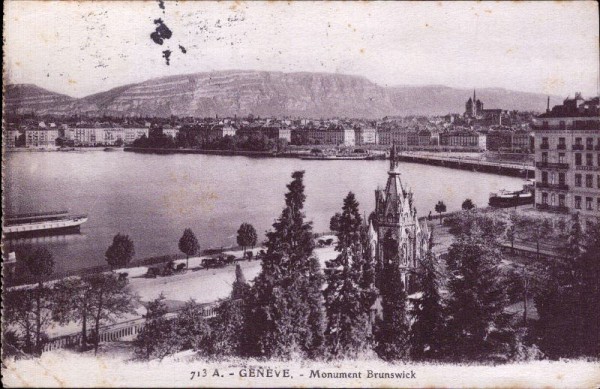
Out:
{"x": 511, "y": 198}
{"x": 42, "y": 223}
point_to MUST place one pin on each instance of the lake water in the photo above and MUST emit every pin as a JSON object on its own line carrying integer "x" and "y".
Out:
{"x": 153, "y": 198}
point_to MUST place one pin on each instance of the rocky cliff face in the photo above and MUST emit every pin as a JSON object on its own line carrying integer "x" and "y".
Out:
{"x": 31, "y": 98}
{"x": 241, "y": 93}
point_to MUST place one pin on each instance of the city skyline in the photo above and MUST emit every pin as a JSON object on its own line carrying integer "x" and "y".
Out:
{"x": 557, "y": 54}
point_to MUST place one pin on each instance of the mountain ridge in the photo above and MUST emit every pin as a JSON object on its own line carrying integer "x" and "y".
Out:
{"x": 266, "y": 93}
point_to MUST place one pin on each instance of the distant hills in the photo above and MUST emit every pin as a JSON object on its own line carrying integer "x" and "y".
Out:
{"x": 229, "y": 93}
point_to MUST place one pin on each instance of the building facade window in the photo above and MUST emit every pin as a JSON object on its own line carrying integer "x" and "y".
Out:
{"x": 544, "y": 198}
{"x": 553, "y": 199}
{"x": 562, "y": 125}
{"x": 578, "y": 141}
{"x": 589, "y": 143}
{"x": 589, "y": 181}
{"x": 588, "y": 203}
{"x": 578, "y": 180}
{"x": 589, "y": 159}
{"x": 577, "y": 202}
{"x": 561, "y": 157}
{"x": 552, "y": 178}
{"x": 561, "y": 178}
{"x": 561, "y": 143}
{"x": 578, "y": 159}
{"x": 561, "y": 200}
{"x": 545, "y": 157}
{"x": 545, "y": 177}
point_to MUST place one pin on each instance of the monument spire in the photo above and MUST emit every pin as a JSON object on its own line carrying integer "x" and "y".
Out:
{"x": 393, "y": 163}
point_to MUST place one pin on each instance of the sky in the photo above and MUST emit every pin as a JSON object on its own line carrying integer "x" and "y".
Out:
{"x": 84, "y": 47}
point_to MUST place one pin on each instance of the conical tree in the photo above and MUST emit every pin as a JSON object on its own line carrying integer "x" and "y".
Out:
{"x": 188, "y": 244}
{"x": 478, "y": 327}
{"x": 283, "y": 311}
{"x": 347, "y": 320}
{"x": 391, "y": 333}
{"x": 428, "y": 316}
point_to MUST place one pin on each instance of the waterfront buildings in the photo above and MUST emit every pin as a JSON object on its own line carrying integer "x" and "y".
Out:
{"x": 567, "y": 158}
{"x": 132, "y": 133}
{"x": 392, "y": 136}
{"x": 221, "y": 131}
{"x": 42, "y": 137}
{"x": 334, "y": 135}
{"x": 365, "y": 136}
{"x": 464, "y": 139}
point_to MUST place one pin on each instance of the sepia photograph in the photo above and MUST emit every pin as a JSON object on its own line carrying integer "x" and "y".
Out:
{"x": 301, "y": 194}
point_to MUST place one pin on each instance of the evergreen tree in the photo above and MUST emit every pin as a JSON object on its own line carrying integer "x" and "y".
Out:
{"x": 347, "y": 320}
{"x": 190, "y": 328}
{"x": 391, "y": 333}
{"x": 478, "y": 327}
{"x": 569, "y": 303}
{"x": 229, "y": 326}
{"x": 286, "y": 314}
{"x": 428, "y": 316}
{"x": 120, "y": 252}
{"x": 156, "y": 338}
{"x": 468, "y": 205}
{"x": 188, "y": 244}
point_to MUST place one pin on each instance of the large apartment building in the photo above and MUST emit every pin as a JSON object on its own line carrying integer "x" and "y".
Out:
{"x": 567, "y": 158}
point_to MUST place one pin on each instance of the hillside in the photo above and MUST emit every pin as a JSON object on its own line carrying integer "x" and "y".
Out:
{"x": 229, "y": 93}
{"x": 29, "y": 97}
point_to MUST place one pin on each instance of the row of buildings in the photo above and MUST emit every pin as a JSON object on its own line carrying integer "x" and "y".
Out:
{"x": 567, "y": 158}
{"x": 50, "y": 135}
{"x": 98, "y": 134}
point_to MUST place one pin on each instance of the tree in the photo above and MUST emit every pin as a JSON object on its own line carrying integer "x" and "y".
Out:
{"x": 440, "y": 208}
{"x": 347, "y": 320}
{"x": 156, "y": 339}
{"x": 468, "y": 205}
{"x": 427, "y": 329}
{"x": 230, "y": 326}
{"x": 535, "y": 229}
{"x": 111, "y": 298}
{"x": 18, "y": 313}
{"x": 478, "y": 327}
{"x": 392, "y": 329}
{"x": 569, "y": 303}
{"x": 191, "y": 328}
{"x": 246, "y": 236}
{"x": 188, "y": 244}
{"x": 120, "y": 252}
{"x": 287, "y": 307}
{"x": 72, "y": 303}
{"x": 40, "y": 265}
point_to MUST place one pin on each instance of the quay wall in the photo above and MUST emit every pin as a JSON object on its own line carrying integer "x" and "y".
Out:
{"x": 506, "y": 169}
